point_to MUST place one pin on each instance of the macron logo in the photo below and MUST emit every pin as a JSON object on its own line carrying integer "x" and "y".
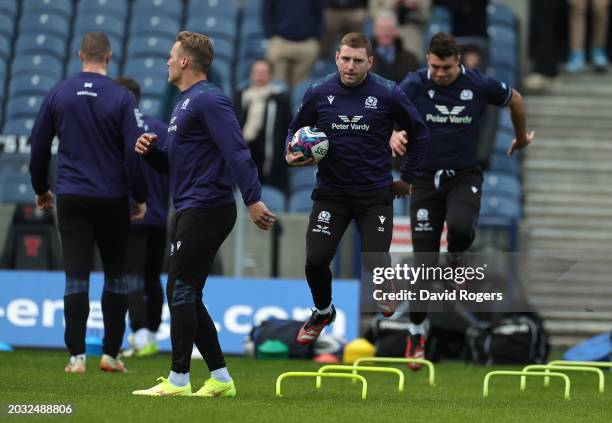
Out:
{"x": 454, "y": 112}
{"x": 348, "y": 119}
{"x": 330, "y": 98}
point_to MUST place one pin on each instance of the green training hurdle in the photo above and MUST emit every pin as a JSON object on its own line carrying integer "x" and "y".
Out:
{"x": 485, "y": 387}
{"x": 429, "y": 364}
{"x": 602, "y": 364}
{"x": 364, "y": 383}
{"x": 398, "y": 372}
{"x": 547, "y": 367}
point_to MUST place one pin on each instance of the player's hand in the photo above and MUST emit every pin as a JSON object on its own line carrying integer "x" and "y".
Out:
{"x": 297, "y": 159}
{"x": 401, "y": 188}
{"x": 144, "y": 143}
{"x": 138, "y": 211}
{"x": 520, "y": 144}
{"x": 45, "y": 201}
{"x": 261, "y": 216}
{"x": 398, "y": 142}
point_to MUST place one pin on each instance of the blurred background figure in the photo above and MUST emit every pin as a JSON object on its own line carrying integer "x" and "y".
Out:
{"x": 412, "y": 15}
{"x": 341, "y": 17}
{"x": 264, "y": 113}
{"x": 391, "y": 60}
{"x": 469, "y": 16}
{"x": 293, "y": 30}
{"x": 578, "y": 27}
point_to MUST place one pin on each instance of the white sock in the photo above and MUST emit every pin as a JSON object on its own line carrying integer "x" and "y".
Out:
{"x": 222, "y": 375}
{"x": 179, "y": 379}
{"x": 140, "y": 337}
{"x": 73, "y": 358}
{"x": 326, "y": 310}
{"x": 151, "y": 337}
{"x": 420, "y": 329}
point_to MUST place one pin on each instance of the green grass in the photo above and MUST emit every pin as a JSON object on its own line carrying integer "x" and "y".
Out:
{"x": 37, "y": 377}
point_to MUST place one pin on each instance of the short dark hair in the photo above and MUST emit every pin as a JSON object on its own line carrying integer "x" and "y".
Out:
{"x": 130, "y": 84}
{"x": 443, "y": 45}
{"x": 95, "y": 46}
{"x": 264, "y": 60}
{"x": 199, "y": 47}
{"x": 356, "y": 40}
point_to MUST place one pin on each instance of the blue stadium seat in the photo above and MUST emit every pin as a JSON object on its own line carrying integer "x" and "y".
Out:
{"x": 221, "y": 75}
{"x": 57, "y": 7}
{"x": 503, "y": 74}
{"x": 152, "y": 86}
{"x": 298, "y": 93}
{"x": 36, "y": 43}
{"x": 45, "y": 23}
{"x": 9, "y": 8}
{"x": 7, "y": 26}
{"x": 23, "y": 106}
{"x": 16, "y": 188}
{"x": 225, "y": 8}
{"x": 503, "y": 56}
{"x": 300, "y": 201}
{"x": 503, "y": 141}
{"x": 116, "y": 44}
{"x": 501, "y": 184}
{"x": 505, "y": 120}
{"x": 223, "y": 49}
{"x": 440, "y": 14}
{"x": 15, "y": 162}
{"x": 20, "y": 126}
{"x": 492, "y": 205}
{"x": 214, "y": 27}
{"x": 322, "y": 67}
{"x": 502, "y": 35}
{"x": 243, "y": 69}
{"x": 146, "y": 66}
{"x": 118, "y": 8}
{"x": 5, "y": 48}
{"x": 151, "y": 106}
{"x": 252, "y": 9}
{"x": 31, "y": 85}
{"x": 302, "y": 178}
{"x": 504, "y": 164}
{"x": 149, "y": 46}
{"x": 110, "y": 24}
{"x": 253, "y": 48}
{"x": 165, "y": 26}
{"x": 274, "y": 198}
{"x": 170, "y": 8}
{"x": 500, "y": 14}
{"x": 251, "y": 28}
{"x": 75, "y": 66}
{"x": 43, "y": 64}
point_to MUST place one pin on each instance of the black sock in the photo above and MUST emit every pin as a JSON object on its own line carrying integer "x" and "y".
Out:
{"x": 114, "y": 308}
{"x": 183, "y": 326}
{"x": 155, "y": 302}
{"x": 320, "y": 282}
{"x": 207, "y": 340}
{"x": 76, "y": 311}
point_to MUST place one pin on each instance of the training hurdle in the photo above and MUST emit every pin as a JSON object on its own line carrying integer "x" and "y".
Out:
{"x": 485, "y": 387}
{"x": 364, "y": 383}
{"x": 398, "y": 372}
{"x": 429, "y": 364}
{"x": 547, "y": 367}
{"x": 599, "y": 364}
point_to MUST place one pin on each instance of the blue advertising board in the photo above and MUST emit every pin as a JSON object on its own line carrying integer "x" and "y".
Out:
{"x": 31, "y": 308}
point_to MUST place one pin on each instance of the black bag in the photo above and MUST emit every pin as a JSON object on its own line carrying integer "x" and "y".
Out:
{"x": 285, "y": 331}
{"x": 516, "y": 339}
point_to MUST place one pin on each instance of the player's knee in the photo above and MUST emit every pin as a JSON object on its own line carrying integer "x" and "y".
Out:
{"x": 181, "y": 293}
{"x": 76, "y": 286}
{"x": 460, "y": 230}
{"x": 315, "y": 261}
{"x": 135, "y": 283}
{"x": 116, "y": 284}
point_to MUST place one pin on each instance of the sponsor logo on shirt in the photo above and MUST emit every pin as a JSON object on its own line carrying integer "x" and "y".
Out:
{"x": 350, "y": 122}
{"x": 448, "y": 116}
{"x": 330, "y": 98}
{"x": 431, "y": 93}
{"x": 138, "y": 116}
{"x": 172, "y": 127}
{"x": 184, "y": 105}
{"x": 321, "y": 229}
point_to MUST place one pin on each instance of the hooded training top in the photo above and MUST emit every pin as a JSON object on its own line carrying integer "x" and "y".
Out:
{"x": 205, "y": 153}
{"x": 358, "y": 122}
{"x": 452, "y": 114}
{"x": 97, "y": 123}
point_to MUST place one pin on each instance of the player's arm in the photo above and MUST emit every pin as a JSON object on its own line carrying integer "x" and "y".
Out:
{"x": 399, "y": 137}
{"x": 409, "y": 120}
{"x": 218, "y": 115}
{"x": 518, "y": 115}
{"x": 305, "y": 116}
{"x": 43, "y": 132}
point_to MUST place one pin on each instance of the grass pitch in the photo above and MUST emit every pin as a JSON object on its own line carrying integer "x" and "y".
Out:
{"x": 37, "y": 377}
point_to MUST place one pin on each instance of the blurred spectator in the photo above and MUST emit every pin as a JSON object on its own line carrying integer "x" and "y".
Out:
{"x": 469, "y": 16}
{"x": 412, "y": 15}
{"x": 545, "y": 32}
{"x": 470, "y": 57}
{"x": 264, "y": 113}
{"x": 341, "y": 17}
{"x": 391, "y": 60}
{"x": 577, "y": 21}
{"x": 293, "y": 29}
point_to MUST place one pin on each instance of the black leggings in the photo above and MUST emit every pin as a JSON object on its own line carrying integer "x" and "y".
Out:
{"x": 330, "y": 216}
{"x": 147, "y": 245}
{"x": 196, "y": 237}
{"x": 83, "y": 222}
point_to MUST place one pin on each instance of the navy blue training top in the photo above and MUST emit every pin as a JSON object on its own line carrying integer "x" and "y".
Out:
{"x": 452, "y": 114}
{"x": 158, "y": 184}
{"x": 97, "y": 123}
{"x": 205, "y": 153}
{"x": 359, "y": 121}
